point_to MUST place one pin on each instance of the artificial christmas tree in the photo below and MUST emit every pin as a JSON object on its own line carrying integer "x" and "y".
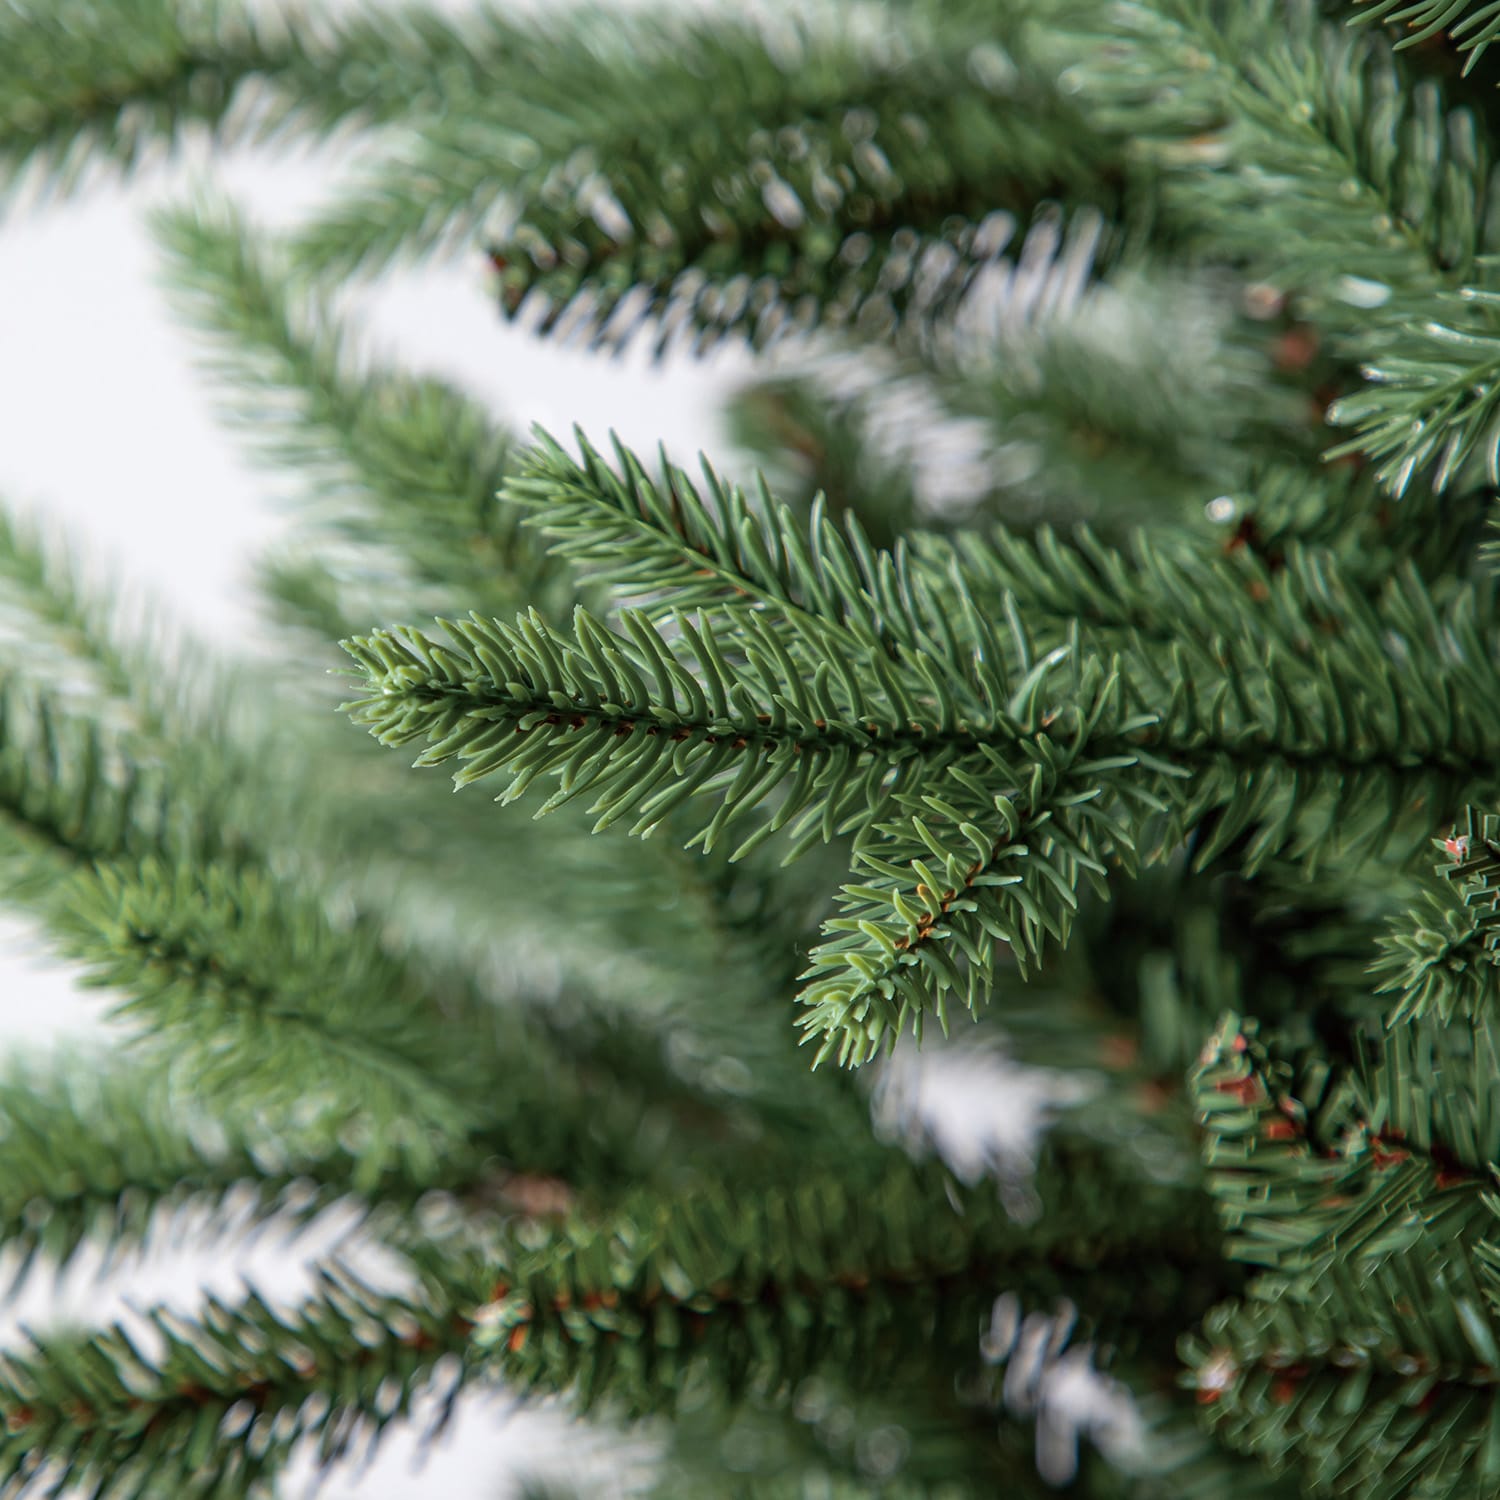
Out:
{"x": 1069, "y": 682}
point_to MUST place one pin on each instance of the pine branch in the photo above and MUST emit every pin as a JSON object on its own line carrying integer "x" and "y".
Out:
{"x": 663, "y": 541}
{"x": 99, "y": 1154}
{"x": 182, "y": 784}
{"x": 1431, "y": 398}
{"x": 663, "y": 545}
{"x": 71, "y": 791}
{"x": 217, "y": 1405}
{"x": 79, "y": 643}
{"x": 96, "y": 820}
{"x": 451, "y": 882}
{"x": 583, "y": 906}
{"x": 111, "y": 1152}
{"x": 865, "y": 677}
{"x": 1143, "y": 1447}
{"x": 1148, "y": 974}
{"x": 1319, "y": 164}
{"x": 122, "y": 737}
{"x": 1340, "y": 508}
{"x": 1330, "y": 667}
{"x": 829, "y": 596}
{"x": 1270, "y": 722}
{"x": 813, "y": 444}
{"x": 401, "y": 475}
{"x": 535, "y": 701}
{"x": 1471, "y": 27}
{"x": 955, "y": 1445}
{"x": 870, "y": 155}
{"x": 73, "y": 794}
{"x": 1119, "y": 397}
{"x": 104, "y": 842}
{"x": 261, "y": 998}
{"x": 1375, "y": 1436}
{"x": 1298, "y": 1162}
{"x": 994, "y": 856}
{"x": 792, "y": 1485}
{"x": 80, "y": 82}
{"x": 1365, "y": 1201}
{"x": 750, "y": 1294}
{"x": 264, "y": 998}
{"x": 68, "y": 623}
{"x": 1262, "y": 577}
{"x": 83, "y": 82}
{"x": 74, "y": 1138}
{"x": 308, "y": 595}
{"x": 914, "y": 1438}
{"x": 1442, "y": 957}
{"x": 400, "y": 469}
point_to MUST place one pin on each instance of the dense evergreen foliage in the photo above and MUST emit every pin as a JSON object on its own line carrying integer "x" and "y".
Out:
{"x": 1156, "y": 741}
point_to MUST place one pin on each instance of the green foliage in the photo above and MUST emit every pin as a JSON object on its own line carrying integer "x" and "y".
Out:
{"x": 73, "y": 632}
{"x": 1316, "y": 161}
{"x": 869, "y": 159}
{"x": 216, "y": 1405}
{"x": 349, "y": 1052}
{"x": 1363, "y": 1198}
{"x": 1472, "y": 28}
{"x": 963, "y": 870}
{"x": 1357, "y": 1434}
{"x": 396, "y": 502}
{"x": 77, "y": 83}
{"x": 1094, "y": 784}
{"x": 912, "y": 1438}
{"x": 205, "y": 953}
{"x": 530, "y": 700}
{"x": 160, "y": 850}
{"x": 83, "y": 83}
{"x": 106, "y": 755}
{"x": 1312, "y": 157}
{"x": 1432, "y": 399}
{"x": 825, "y": 447}
{"x": 1341, "y": 508}
{"x": 1442, "y": 959}
{"x": 1331, "y": 668}
{"x": 400, "y": 472}
{"x": 69, "y": 790}
{"x": 845, "y": 682}
{"x": 92, "y": 1155}
{"x": 1062, "y": 393}
{"x": 769, "y": 1287}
